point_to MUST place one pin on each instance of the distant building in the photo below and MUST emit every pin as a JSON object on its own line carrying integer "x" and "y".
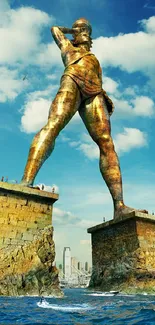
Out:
{"x": 79, "y": 265}
{"x": 67, "y": 262}
{"x": 60, "y": 266}
{"x": 86, "y": 266}
{"x": 74, "y": 264}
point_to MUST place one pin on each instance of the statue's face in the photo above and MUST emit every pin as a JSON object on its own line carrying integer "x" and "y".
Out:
{"x": 82, "y": 36}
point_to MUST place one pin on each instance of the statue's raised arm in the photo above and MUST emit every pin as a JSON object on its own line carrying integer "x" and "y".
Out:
{"x": 58, "y": 34}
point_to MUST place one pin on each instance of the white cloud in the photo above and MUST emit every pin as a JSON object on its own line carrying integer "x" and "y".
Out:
{"x": 143, "y": 106}
{"x": 131, "y": 91}
{"x": 130, "y": 139}
{"x": 136, "y": 106}
{"x": 11, "y": 85}
{"x": 88, "y": 146}
{"x": 131, "y": 52}
{"x": 91, "y": 150}
{"x": 110, "y": 85}
{"x": 149, "y": 24}
{"x": 123, "y": 107}
{"x": 35, "y": 115}
{"x": 66, "y": 218}
{"x": 36, "y": 109}
{"x": 20, "y": 34}
{"x": 49, "y": 53}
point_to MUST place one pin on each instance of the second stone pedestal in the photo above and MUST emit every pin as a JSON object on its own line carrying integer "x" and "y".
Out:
{"x": 123, "y": 254}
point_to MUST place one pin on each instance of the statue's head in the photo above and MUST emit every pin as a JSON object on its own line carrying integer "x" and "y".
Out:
{"x": 82, "y": 22}
{"x": 83, "y": 36}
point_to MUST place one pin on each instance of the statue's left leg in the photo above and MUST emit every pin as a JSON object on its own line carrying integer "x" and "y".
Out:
{"x": 96, "y": 118}
{"x": 63, "y": 108}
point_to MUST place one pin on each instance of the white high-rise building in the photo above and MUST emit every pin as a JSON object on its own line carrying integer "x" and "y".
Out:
{"x": 67, "y": 262}
{"x": 74, "y": 264}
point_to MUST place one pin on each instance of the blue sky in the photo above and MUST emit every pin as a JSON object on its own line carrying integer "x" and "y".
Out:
{"x": 124, "y": 42}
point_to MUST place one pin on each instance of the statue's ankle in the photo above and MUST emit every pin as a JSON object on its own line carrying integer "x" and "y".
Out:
{"x": 118, "y": 204}
{"x": 26, "y": 183}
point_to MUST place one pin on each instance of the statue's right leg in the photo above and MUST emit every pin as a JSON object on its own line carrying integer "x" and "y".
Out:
{"x": 64, "y": 106}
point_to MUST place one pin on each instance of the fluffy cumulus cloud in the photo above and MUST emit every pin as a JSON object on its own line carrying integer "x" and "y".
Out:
{"x": 142, "y": 106}
{"x": 35, "y": 115}
{"x": 130, "y": 139}
{"x": 149, "y": 24}
{"x": 110, "y": 85}
{"x": 130, "y": 52}
{"x": 20, "y": 33}
{"x": 36, "y": 109}
{"x": 90, "y": 150}
{"x": 11, "y": 85}
{"x": 22, "y": 38}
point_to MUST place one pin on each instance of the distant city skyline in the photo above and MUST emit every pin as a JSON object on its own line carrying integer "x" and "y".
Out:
{"x": 70, "y": 262}
{"x": 72, "y": 272}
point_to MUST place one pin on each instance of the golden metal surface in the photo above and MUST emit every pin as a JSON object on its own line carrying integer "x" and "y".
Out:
{"x": 80, "y": 90}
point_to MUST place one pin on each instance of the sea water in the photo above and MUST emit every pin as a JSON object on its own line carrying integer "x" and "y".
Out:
{"x": 79, "y": 307}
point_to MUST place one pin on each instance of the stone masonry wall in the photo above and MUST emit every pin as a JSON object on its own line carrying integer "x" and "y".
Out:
{"x": 123, "y": 254}
{"x": 146, "y": 252}
{"x": 23, "y": 212}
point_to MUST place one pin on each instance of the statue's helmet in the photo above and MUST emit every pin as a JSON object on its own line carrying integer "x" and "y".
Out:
{"x": 82, "y": 22}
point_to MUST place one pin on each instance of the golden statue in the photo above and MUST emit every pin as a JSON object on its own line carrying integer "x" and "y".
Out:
{"x": 80, "y": 90}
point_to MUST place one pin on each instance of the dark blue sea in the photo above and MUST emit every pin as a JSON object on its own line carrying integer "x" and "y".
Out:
{"x": 78, "y": 307}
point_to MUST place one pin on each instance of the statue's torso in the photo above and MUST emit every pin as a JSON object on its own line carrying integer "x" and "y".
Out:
{"x": 84, "y": 68}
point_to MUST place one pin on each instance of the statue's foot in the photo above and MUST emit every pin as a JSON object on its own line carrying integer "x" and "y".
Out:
{"x": 25, "y": 183}
{"x": 123, "y": 210}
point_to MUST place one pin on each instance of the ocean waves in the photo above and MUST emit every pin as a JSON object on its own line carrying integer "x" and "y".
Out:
{"x": 79, "y": 307}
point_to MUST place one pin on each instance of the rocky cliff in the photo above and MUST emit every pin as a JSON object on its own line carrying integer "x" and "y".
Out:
{"x": 28, "y": 269}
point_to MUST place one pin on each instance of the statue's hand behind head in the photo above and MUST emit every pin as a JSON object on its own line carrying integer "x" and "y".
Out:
{"x": 78, "y": 30}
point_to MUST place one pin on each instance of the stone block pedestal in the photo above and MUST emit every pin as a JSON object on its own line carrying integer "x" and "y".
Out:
{"x": 27, "y": 249}
{"x": 123, "y": 254}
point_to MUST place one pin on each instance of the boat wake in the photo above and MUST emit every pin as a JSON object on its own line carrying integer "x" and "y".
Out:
{"x": 65, "y": 308}
{"x": 104, "y": 294}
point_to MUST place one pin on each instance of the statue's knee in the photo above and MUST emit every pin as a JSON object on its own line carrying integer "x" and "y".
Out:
{"x": 106, "y": 141}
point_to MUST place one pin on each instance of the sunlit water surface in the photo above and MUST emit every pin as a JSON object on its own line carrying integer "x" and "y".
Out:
{"x": 78, "y": 307}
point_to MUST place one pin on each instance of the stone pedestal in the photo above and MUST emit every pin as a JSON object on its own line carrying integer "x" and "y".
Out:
{"x": 27, "y": 249}
{"x": 23, "y": 212}
{"x": 123, "y": 254}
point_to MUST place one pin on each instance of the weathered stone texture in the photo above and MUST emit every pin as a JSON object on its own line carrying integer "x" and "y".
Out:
{"x": 123, "y": 254}
{"x": 28, "y": 269}
{"x": 27, "y": 248}
{"x": 23, "y": 211}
